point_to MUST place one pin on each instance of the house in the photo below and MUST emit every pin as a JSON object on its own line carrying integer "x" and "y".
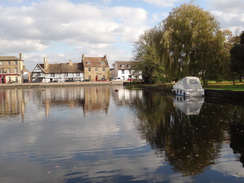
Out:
{"x": 125, "y": 70}
{"x": 11, "y": 69}
{"x": 95, "y": 68}
{"x": 58, "y": 72}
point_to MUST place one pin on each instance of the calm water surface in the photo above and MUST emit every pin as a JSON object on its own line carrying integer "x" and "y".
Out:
{"x": 110, "y": 134}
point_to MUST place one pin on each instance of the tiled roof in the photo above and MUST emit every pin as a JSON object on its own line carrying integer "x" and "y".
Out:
{"x": 95, "y": 62}
{"x": 124, "y": 65}
{"x": 8, "y": 58}
{"x": 63, "y": 68}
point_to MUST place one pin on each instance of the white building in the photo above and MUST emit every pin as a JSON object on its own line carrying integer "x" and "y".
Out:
{"x": 125, "y": 71}
{"x": 59, "y": 72}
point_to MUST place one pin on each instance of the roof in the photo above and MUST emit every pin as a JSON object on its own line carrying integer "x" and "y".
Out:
{"x": 63, "y": 68}
{"x": 8, "y": 58}
{"x": 95, "y": 62}
{"x": 127, "y": 64}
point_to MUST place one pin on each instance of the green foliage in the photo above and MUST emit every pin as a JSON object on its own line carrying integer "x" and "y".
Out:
{"x": 193, "y": 43}
{"x": 237, "y": 58}
{"x": 188, "y": 42}
{"x": 146, "y": 57}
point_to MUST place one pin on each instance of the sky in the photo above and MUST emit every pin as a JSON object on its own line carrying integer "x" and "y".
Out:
{"x": 63, "y": 30}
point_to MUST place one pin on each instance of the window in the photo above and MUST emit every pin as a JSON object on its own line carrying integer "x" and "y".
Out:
{"x": 8, "y": 71}
{"x": 96, "y": 69}
{"x": 16, "y": 79}
{"x": 66, "y": 74}
{"x": 15, "y": 63}
{"x": 89, "y": 77}
{"x": 1, "y": 63}
{"x": 52, "y": 75}
{"x": 88, "y": 62}
{"x": 1, "y": 70}
{"x": 8, "y": 63}
{"x": 103, "y": 68}
{"x": 89, "y": 69}
{"x": 9, "y": 79}
{"x": 15, "y": 70}
{"x": 77, "y": 74}
{"x": 193, "y": 81}
{"x": 123, "y": 71}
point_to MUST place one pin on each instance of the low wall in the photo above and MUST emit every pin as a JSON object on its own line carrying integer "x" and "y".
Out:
{"x": 57, "y": 84}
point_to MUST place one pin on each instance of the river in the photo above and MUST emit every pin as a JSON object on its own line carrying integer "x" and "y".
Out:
{"x": 111, "y": 134}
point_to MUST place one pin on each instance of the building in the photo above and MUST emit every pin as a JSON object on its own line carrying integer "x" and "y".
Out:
{"x": 58, "y": 72}
{"x": 11, "y": 69}
{"x": 95, "y": 68}
{"x": 125, "y": 70}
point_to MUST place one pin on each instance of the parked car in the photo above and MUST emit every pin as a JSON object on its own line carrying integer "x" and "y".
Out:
{"x": 117, "y": 79}
{"x": 85, "y": 80}
{"x": 130, "y": 79}
{"x": 102, "y": 79}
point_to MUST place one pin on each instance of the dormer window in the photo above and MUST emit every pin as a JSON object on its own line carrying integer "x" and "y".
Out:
{"x": 88, "y": 62}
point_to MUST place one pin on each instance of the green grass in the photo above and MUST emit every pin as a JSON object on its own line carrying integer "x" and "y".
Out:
{"x": 226, "y": 86}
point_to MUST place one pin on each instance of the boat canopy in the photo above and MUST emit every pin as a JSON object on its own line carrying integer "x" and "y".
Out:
{"x": 190, "y": 82}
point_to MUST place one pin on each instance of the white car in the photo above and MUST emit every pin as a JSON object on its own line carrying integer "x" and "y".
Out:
{"x": 117, "y": 79}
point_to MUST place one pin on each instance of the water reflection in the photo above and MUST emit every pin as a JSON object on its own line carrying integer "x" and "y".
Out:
{"x": 189, "y": 143}
{"x": 110, "y": 134}
{"x": 12, "y": 103}
{"x": 90, "y": 99}
{"x": 189, "y": 106}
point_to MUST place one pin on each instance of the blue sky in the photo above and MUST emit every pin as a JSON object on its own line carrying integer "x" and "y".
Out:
{"x": 62, "y": 30}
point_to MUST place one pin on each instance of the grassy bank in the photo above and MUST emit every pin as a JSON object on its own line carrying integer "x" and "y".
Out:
{"x": 239, "y": 86}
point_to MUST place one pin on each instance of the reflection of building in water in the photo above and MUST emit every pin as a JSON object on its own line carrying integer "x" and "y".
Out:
{"x": 125, "y": 96}
{"x": 68, "y": 96}
{"x": 12, "y": 102}
{"x": 189, "y": 106}
{"x": 90, "y": 98}
{"x": 96, "y": 99}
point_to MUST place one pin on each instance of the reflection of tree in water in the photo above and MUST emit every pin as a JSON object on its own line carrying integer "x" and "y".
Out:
{"x": 190, "y": 143}
{"x": 237, "y": 134}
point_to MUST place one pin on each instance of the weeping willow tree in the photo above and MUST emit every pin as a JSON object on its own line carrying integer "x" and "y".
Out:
{"x": 146, "y": 55}
{"x": 192, "y": 43}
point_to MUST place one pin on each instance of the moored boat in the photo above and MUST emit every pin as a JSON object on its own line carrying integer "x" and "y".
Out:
{"x": 189, "y": 86}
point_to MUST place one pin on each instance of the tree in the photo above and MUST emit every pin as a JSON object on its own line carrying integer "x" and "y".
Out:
{"x": 237, "y": 58}
{"x": 146, "y": 57}
{"x": 192, "y": 43}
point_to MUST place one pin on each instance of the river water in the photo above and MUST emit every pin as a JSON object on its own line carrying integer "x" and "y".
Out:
{"x": 111, "y": 134}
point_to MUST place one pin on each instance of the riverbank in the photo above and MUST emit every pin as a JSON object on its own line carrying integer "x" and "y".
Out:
{"x": 219, "y": 94}
{"x": 56, "y": 84}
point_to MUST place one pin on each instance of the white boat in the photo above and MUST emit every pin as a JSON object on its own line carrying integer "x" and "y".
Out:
{"x": 188, "y": 87}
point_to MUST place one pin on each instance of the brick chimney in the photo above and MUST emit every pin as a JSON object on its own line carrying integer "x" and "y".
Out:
{"x": 70, "y": 63}
{"x": 45, "y": 63}
{"x": 20, "y": 56}
{"x": 82, "y": 57}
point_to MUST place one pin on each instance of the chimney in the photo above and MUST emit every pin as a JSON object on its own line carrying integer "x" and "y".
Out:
{"x": 82, "y": 57}
{"x": 70, "y": 63}
{"x": 45, "y": 63}
{"x": 20, "y": 56}
{"x": 105, "y": 57}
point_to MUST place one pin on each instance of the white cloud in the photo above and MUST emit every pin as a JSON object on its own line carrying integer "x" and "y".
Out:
{"x": 228, "y": 13}
{"x": 163, "y": 3}
{"x": 33, "y": 28}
